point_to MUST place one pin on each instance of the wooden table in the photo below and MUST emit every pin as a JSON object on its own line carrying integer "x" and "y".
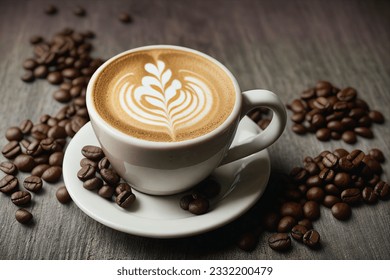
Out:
{"x": 284, "y": 46}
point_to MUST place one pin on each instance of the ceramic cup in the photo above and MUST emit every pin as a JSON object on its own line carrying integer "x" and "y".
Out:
{"x": 164, "y": 168}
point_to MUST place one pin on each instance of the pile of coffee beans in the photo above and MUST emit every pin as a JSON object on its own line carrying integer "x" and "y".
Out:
{"x": 97, "y": 175}
{"x": 332, "y": 113}
{"x": 198, "y": 201}
{"x": 261, "y": 116}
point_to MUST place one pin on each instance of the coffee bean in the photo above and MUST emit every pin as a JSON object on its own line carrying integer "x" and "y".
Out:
{"x": 40, "y": 72}
{"x": 340, "y": 153}
{"x": 125, "y": 199}
{"x": 36, "y": 39}
{"x": 23, "y": 216}
{"x": 286, "y": 224}
{"x": 28, "y": 77}
{"x": 345, "y": 164}
{"x": 341, "y": 211}
{"x": 298, "y": 117}
{"x": 33, "y": 183}
{"x": 93, "y": 183}
{"x": 25, "y": 143}
{"x": 279, "y": 242}
{"x": 86, "y": 161}
{"x": 185, "y": 201}
{"x": 124, "y": 17}
{"x": 8, "y": 184}
{"x": 377, "y": 155}
{"x": 8, "y": 168}
{"x": 331, "y": 189}
{"x": 247, "y": 241}
{"x": 351, "y": 196}
{"x": 311, "y": 238}
{"x": 20, "y": 198}
{"x": 30, "y": 64}
{"x": 342, "y": 179}
{"x": 372, "y": 182}
{"x": 314, "y": 181}
{"x": 92, "y": 152}
{"x": 349, "y": 137}
{"x": 14, "y": 134}
{"x": 39, "y": 169}
{"x": 298, "y": 174}
{"x": 373, "y": 165}
{"x": 306, "y": 223}
{"x": 11, "y": 149}
{"x": 104, "y": 163}
{"x": 42, "y": 159}
{"x": 106, "y": 191}
{"x": 327, "y": 175}
{"x": 323, "y": 88}
{"x": 311, "y": 210}
{"x": 382, "y": 190}
{"x": 299, "y": 128}
{"x": 79, "y": 11}
{"x": 376, "y": 117}
{"x": 52, "y": 174}
{"x": 57, "y": 132}
{"x": 364, "y": 132}
{"x": 312, "y": 168}
{"x": 49, "y": 144}
{"x": 86, "y": 172}
{"x": 356, "y": 157}
{"x": 369, "y": 196}
{"x": 316, "y": 194}
{"x": 62, "y": 96}
{"x": 347, "y": 94}
{"x": 308, "y": 94}
{"x": 330, "y": 200}
{"x": 270, "y": 221}
{"x": 292, "y": 209}
{"x": 122, "y": 187}
{"x": 298, "y": 231}
{"x": 323, "y": 134}
{"x": 63, "y": 195}
{"x": 24, "y": 163}
{"x": 50, "y": 10}
{"x": 26, "y": 126}
{"x": 110, "y": 176}
{"x": 34, "y": 148}
{"x": 199, "y": 206}
{"x": 330, "y": 160}
{"x": 54, "y": 78}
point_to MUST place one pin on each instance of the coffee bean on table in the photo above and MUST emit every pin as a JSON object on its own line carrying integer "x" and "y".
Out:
{"x": 299, "y": 128}
{"x": 286, "y": 224}
{"x": 342, "y": 179}
{"x": 306, "y": 223}
{"x": 57, "y": 132}
{"x": 341, "y": 211}
{"x": 14, "y": 134}
{"x": 56, "y": 158}
{"x": 36, "y": 39}
{"x": 92, "y": 152}
{"x": 54, "y": 78}
{"x": 8, "y": 184}
{"x": 382, "y": 190}
{"x": 24, "y": 163}
{"x": 39, "y": 169}
{"x": 330, "y": 160}
{"x": 110, "y": 176}
{"x": 369, "y": 196}
{"x": 26, "y": 126}
{"x": 323, "y": 134}
{"x": 124, "y": 17}
{"x": 311, "y": 238}
{"x": 311, "y": 210}
{"x": 247, "y": 241}
{"x": 316, "y": 194}
{"x": 63, "y": 195}
{"x": 199, "y": 206}
{"x": 49, "y": 144}
{"x": 41, "y": 72}
{"x": 20, "y": 198}
{"x": 106, "y": 191}
{"x": 376, "y": 117}
{"x": 351, "y": 196}
{"x": 279, "y": 241}
{"x": 62, "y": 96}
{"x": 298, "y": 231}
{"x": 79, "y": 11}
{"x": 330, "y": 200}
{"x": 86, "y": 161}
{"x": 331, "y": 189}
{"x": 93, "y": 183}
{"x": 28, "y": 77}
{"x": 356, "y": 157}
{"x": 270, "y": 221}
{"x": 8, "y": 168}
{"x": 52, "y": 174}
{"x": 34, "y": 148}
{"x": 51, "y": 10}
{"x": 11, "y": 149}
{"x": 23, "y": 216}
{"x": 292, "y": 209}
{"x": 349, "y": 137}
{"x": 125, "y": 199}
{"x": 33, "y": 183}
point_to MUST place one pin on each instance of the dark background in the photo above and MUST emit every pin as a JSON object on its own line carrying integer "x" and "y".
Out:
{"x": 284, "y": 46}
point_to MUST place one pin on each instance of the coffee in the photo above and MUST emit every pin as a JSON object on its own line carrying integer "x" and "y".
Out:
{"x": 163, "y": 95}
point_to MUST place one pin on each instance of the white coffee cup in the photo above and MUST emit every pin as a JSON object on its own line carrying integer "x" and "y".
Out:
{"x": 164, "y": 168}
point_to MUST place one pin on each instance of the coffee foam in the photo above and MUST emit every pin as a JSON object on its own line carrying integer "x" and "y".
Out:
{"x": 163, "y": 95}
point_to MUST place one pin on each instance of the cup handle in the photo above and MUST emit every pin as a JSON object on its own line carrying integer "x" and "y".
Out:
{"x": 253, "y": 99}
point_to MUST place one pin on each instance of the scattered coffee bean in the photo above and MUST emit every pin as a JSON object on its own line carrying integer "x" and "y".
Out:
{"x": 125, "y": 199}
{"x": 14, "y": 134}
{"x": 110, "y": 176}
{"x": 41, "y": 72}
{"x": 28, "y": 77}
{"x": 341, "y": 211}
{"x": 52, "y": 174}
{"x": 86, "y": 172}
{"x": 185, "y": 201}
{"x": 330, "y": 200}
{"x": 286, "y": 224}
{"x": 62, "y": 96}
{"x": 8, "y": 184}
{"x": 311, "y": 210}
{"x": 382, "y": 190}
{"x": 48, "y": 144}
{"x": 54, "y": 78}
{"x": 369, "y": 196}
{"x": 23, "y": 216}
{"x": 26, "y": 126}
{"x": 292, "y": 209}
{"x": 270, "y": 221}
{"x": 199, "y": 206}
{"x": 34, "y": 148}
{"x": 247, "y": 241}
{"x": 92, "y": 152}
{"x": 20, "y": 198}
{"x": 57, "y": 132}
{"x": 316, "y": 194}
{"x": 351, "y": 196}
{"x": 33, "y": 183}
{"x": 376, "y": 117}
{"x": 306, "y": 223}
{"x": 279, "y": 242}
{"x": 124, "y": 17}
{"x": 24, "y": 163}
{"x": 56, "y": 158}
{"x": 8, "y": 168}
{"x": 311, "y": 238}
{"x": 51, "y": 10}
{"x": 79, "y": 11}
{"x": 106, "y": 191}
{"x": 11, "y": 150}
{"x": 298, "y": 231}
{"x": 39, "y": 169}
{"x": 63, "y": 195}
{"x": 36, "y": 39}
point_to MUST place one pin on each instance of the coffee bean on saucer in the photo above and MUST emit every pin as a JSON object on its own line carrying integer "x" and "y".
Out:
{"x": 20, "y": 198}
{"x": 63, "y": 195}
{"x": 185, "y": 201}
{"x": 56, "y": 158}
{"x": 106, "y": 191}
{"x": 92, "y": 152}
{"x": 121, "y": 187}
{"x": 199, "y": 206}
{"x": 306, "y": 223}
{"x": 298, "y": 231}
{"x": 247, "y": 241}
{"x": 311, "y": 238}
{"x": 109, "y": 176}
{"x": 11, "y": 150}
{"x": 369, "y": 196}
{"x": 14, "y": 134}
{"x": 104, "y": 163}
{"x": 23, "y": 216}
{"x": 39, "y": 169}
{"x": 8, "y": 168}
{"x": 24, "y": 163}
{"x": 52, "y": 174}
{"x": 86, "y": 161}
{"x": 311, "y": 210}
{"x": 351, "y": 196}
{"x": 382, "y": 190}
{"x": 50, "y": 10}
{"x": 93, "y": 183}
{"x": 8, "y": 184}
{"x": 279, "y": 241}
{"x": 125, "y": 199}
{"x": 33, "y": 183}
{"x": 286, "y": 224}
{"x": 86, "y": 172}
{"x": 341, "y": 211}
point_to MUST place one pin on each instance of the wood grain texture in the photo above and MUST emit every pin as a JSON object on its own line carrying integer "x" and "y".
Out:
{"x": 284, "y": 46}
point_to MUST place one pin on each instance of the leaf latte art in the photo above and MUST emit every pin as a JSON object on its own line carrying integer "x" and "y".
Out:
{"x": 163, "y": 100}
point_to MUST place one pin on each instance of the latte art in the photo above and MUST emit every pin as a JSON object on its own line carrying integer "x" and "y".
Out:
{"x": 163, "y": 94}
{"x": 163, "y": 100}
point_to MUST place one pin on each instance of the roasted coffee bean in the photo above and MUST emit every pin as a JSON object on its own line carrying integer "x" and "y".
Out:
{"x": 314, "y": 181}
{"x": 330, "y": 160}
{"x": 318, "y": 120}
{"x": 298, "y": 174}
{"x": 373, "y": 165}
{"x": 327, "y": 175}
{"x": 331, "y": 189}
{"x": 63, "y": 195}
{"x": 345, "y": 164}
{"x": 270, "y": 221}
{"x": 20, "y": 198}
{"x": 28, "y": 77}
{"x": 26, "y": 126}
{"x": 33, "y": 183}
{"x": 92, "y": 152}
{"x": 104, "y": 163}
{"x": 75, "y": 91}
{"x": 364, "y": 132}
{"x": 306, "y": 223}
{"x": 312, "y": 168}
{"x": 185, "y": 201}
{"x": 347, "y": 94}
{"x": 340, "y": 153}
{"x": 34, "y": 148}
{"x": 24, "y": 163}
{"x": 299, "y": 128}
{"x": 323, "y": 88}
{"x": 42, "y": 159}
{"x": 122, "y": 187}
{"x": 308, "y": 94}
{"x": 356, "y": 157}
{"x": 382, "y": 190}
{"x": 372, "y": 182}
{"x": 311, "y": 210}
{"x": 377, "y": 155}
{"x": 86, "y": 161}
{"x": 41, "y": 72}
{"x": 349, "y": 137}
{"x": 316, "y": 194}
{"x": 110, "y": 176}
{"x": 11, "y": 149}
{"x": 8, "y": 168}
{"x": 247, "y": 241}
{"x": 124, "y": 17}
{"x": 14, "y": 134}
{"x": 86, "y": 172}
{"x": 356, "y": 113}
{"x": 49, "y": 144}
{"x": 341, "y": 211}
{"x": 93, "y": 183}
{"x": 279, "y": 242}
{"x": 342, "y": 180}
{"x": 30, "y": 64}
{"x": 106, "y": 191}
{"x": 62, "y": 96}
{"x": 292, "y": 209}
{"x": 323, "y": 134}
{"x": 23, "y": 216}
{"x": 39, "y": 169}
{"x": 52, "y": 174}
{"x": 54, "y": 78}
{"x": 321, "y": 103}
{"x": 376, "y": 117}
{"x": 56, "y": 158}
{"x": 25, "y": 143}
{"x": 330, "y": 200}
{"x": 199, "y": 206}
{"x": 351, "y": 195}
{"x": 369, "y": 196}
{"x": 125, "y": 199}
{"x": 51, "y": 10}
{"x": 79, "y": 11}
{"x": 36, "y": 39}
{"x": 8, "y": 184}
{"x": 57, "y": 132}
{"x": 298, "y": 117}
{"x": 286, "y": 224}
{"x": 298, "y": 231}
{"x": 311, "y": 238}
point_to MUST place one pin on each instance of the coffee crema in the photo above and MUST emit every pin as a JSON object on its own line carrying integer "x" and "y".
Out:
{"x": 164, "y": 95}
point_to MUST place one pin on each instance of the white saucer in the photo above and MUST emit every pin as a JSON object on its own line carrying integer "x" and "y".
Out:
{"x": 243, "y": 182}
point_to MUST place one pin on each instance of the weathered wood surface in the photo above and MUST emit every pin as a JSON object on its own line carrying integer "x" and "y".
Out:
{"x": 284, "y": 46}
